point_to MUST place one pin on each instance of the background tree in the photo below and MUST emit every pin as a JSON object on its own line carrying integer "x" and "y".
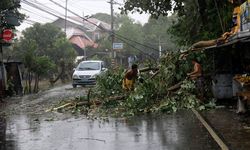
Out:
{"x": 126, "y": 27}
{"x": 197, "y": 19}
{"x": 156, "y": 33}
{"x": 129, "y": 30}
{"x": 25, "y": 51}
{"x": 9, "y": 8}
{"x": 63, "y": 55}
{"x": 149, "y": 36}
{"x": 45, "y": 52}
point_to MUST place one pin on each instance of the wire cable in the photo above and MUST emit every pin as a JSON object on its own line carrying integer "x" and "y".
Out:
{"x": 39, "y": 8}
{"x": 120, "y": 37}
{"x": 137, "y": 48}
{"x": 36, "y": 14}
{"x": 101, "y": 27}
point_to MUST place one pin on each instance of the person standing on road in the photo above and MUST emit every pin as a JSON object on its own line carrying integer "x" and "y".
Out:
{"x": 196, "y": 75}
{"x": 129, "y": 78}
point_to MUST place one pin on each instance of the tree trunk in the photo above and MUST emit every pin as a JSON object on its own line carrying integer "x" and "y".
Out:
{"x": 60, "y": 76}
{"x": 30, "y": 81}
{"x": 63, "y": 72}
{"x": 202, "y": 6}
{"x": 52, "y": 82}
{"x": 35, "y": 90}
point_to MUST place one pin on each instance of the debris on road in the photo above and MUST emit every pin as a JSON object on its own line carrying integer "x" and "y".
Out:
{"x": 165, "y": 89}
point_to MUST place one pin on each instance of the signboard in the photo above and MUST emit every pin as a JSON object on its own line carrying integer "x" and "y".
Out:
{"x": 11, "y": 19}
{"x": 245, "y": 16}
{"x": 7, "y": 35}
{"x": 117, "y": 45}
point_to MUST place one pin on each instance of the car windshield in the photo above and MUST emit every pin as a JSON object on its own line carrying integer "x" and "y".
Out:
{"x": 88, "y": 66}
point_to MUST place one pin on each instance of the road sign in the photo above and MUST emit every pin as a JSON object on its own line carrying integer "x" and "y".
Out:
{"x": 117, "y": 45}
{"x": 7, "y": 35}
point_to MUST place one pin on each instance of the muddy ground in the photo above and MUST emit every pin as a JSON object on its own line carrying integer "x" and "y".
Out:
{"x": 37, "y": 104}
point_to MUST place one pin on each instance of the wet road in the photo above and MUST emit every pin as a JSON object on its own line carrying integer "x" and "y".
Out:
{"x": 164, "y": 132}
{"x": 234, "y": 129}
{"x": 38, "y": 103}
{"x": 28, "y": 127}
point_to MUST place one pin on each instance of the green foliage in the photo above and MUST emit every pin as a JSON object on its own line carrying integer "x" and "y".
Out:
{"x": 45, "y": 52}
{"x": 42, "y": 65}
{"x": 154, "y": 7}
{"x": 156, "y": 33}
{"x": 184, "y": 98}
{"x": 62, "y": 50}
{"x": 109, "y": 84}
{"x": 44, "y": 47}
{"x": 132, "y": 31}
{"x": 10, "y": 7}
{"x": 144, "y": 96}
{"x": 196, "y": 20}
{"x": 44, "y": 35}
{"x": 194, "y": 24}
{"x": 7, "y": 4}
{"x": 151, "y": 34}
{"x": 151, "y": 96}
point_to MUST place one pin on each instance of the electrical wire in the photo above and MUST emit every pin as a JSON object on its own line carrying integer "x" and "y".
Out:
{"x": 36, "y": 14}
{"x": 102, "y": 28}
{"x": 122, "y": 38}
{"x": 43, "y": 6}
{"x": 39, "y": 8}
{"x": 137, "y": 42}
{"x": 137, "y": 48}
{"x": 48, "y": 12}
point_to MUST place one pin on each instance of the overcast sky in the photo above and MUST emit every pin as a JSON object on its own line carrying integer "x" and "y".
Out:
{"x": 81, "y": 7}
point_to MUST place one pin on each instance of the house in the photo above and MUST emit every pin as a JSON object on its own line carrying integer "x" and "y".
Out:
{"x": 83, "y": 33}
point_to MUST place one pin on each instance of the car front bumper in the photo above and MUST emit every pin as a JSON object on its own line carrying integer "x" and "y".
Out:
{"x": 90, "y": 81}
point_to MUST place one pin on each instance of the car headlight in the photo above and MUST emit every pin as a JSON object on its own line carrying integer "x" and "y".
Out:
{"x": 75, "y": 76}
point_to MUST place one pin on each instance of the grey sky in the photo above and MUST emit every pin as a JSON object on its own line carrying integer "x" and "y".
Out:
{"x": 81, "y": 7}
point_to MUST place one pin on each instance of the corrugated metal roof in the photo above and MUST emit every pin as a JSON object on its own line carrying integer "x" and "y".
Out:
{"x": 236, "y": 39}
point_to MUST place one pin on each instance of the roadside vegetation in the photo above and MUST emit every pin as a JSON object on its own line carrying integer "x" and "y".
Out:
{"x": 47, "y": 54}
{"x": 165, "y": 89}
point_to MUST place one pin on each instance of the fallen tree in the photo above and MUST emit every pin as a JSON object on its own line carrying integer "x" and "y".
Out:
{"x": 164, "y": 90}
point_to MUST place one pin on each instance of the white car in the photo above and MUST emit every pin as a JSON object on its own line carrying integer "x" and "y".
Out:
{"x": 86, "y": 72}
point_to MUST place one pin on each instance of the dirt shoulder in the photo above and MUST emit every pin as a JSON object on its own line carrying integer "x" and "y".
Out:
{"x": 40, "y": 102}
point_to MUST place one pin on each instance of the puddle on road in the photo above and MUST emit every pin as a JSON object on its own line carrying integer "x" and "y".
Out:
{"x": 141, "y": 133}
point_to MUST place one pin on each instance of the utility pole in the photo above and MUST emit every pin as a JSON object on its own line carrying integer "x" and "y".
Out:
{"x": 160, "y": 50}
{"x": 66, "y": 10}
{"x": 112, "y": 29}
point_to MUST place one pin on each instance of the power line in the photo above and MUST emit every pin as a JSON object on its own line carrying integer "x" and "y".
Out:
{"x": 137, "y": 42}
{"x": 122, "y": 38}
{"x": 28, "y": 22}
{"x": 74, "y": 13}
{"x": 42, "y": 6}
{"x": 136, "y": 48}
{"x": 39, "y": 8}
{"x": 102, "y": 28}
{"x": 36, "y": 14}
{"x": 46, "y": 10}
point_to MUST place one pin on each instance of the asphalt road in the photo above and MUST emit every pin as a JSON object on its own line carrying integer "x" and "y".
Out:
{"x": 29, "y": 128}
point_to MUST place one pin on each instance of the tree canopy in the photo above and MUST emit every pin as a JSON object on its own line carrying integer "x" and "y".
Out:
{"x": 9, "y": 11}
{"x": 197, "y": 20}
{"x": 45, "y": 51}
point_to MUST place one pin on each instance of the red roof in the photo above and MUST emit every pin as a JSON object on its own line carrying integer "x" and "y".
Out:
{"x": 82, "y": 42}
